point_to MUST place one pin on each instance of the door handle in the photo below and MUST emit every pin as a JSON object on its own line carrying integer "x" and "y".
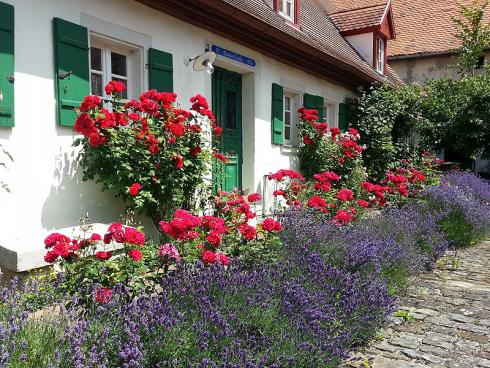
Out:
{"x": 63, "y": 75}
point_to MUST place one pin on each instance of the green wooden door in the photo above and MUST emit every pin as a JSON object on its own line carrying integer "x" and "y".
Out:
{"x": 227, "y": 106}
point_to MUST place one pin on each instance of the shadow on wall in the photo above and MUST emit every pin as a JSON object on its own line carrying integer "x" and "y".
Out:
{"x": 70, "y": 198}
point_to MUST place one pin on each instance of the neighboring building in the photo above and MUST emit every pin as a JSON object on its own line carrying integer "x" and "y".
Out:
{"x": 273, "y": 57}
{"x": 426, "y": 46}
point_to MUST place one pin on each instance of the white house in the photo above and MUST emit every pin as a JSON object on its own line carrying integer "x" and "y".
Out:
{"x": 272, "y": 57}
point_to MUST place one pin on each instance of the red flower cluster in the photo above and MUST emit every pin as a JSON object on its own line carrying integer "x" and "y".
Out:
{"x": 114, "y": 86}
{"x": 124, "y": 234}
{"x": 323, "y": 181}
{"x": 103, "y": 295}
{"x": 209, "y": 234}
{"x": 286, "y": 173}
{"x": 308, "y": 114}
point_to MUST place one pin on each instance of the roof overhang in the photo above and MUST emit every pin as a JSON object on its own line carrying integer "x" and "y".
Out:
{"x": 223, "y": 19}
{"x": 384, "y": 25}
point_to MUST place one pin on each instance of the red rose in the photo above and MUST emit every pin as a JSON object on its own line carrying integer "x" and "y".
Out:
{"x": 362, "y": 203}
{"x": 114, "y": 86}
{"x": 221, "y": 157}
{"x": 194, "y": 151}
{"x": 214, "y": 238}
{"x": 95, "y": 237}
{"x": 134, "y": 189}
{"x": 177, "y": 129}
{"x": 102, "y": 255}
{"x": 90, "y": 102}
{"x": 208, "y": 257}
{"x": 247, "y": 231}
{"x": 178, "y": 161}
{"x": 345, "y": 195}
{"x": 135, "y": 254}
{"x": 222, "y": 259}
{"x": 335, "y": 132}
{"x": 154, "y": 149}
{"x": 254, "y": 197}
{"x": 307, "y": 140}
{"x": 134, "y": 236}
{"x": 84, "y": 125}
{"x": 343, "y": 216}
{"x": 217, "y": 131}
{"x": 103, "y": 295}
{"x": 317, "y": 201}
{"x": 270, "y": 225}
{"x": 50, "y": 257}
{"x": 54, "y": 238}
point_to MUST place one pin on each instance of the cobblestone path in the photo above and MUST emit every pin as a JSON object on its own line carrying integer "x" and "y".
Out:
{"x": 443, "y": 321}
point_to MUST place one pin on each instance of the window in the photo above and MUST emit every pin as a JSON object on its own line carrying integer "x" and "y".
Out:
{"x": 290, "y": 118}
{"x": 380, "y": 62}
{"x": 110, "y": 60}
{"x": 286, "y": 9}
{"x": 329, "y": 115}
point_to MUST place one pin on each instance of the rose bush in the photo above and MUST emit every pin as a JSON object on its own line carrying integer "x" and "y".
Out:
{"x": 121, "y": 257}
{"x": 152, "y": 153}
{"x": 226, "y": 232}
{"x": 329, "y": 150}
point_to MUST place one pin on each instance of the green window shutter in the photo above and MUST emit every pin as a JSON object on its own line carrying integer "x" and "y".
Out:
{"x": 309, "y": 101}
{"x": 319, "y": 107}
{"x": 277, "y": 114}
{"x": 7, "y": 65}
{"x": 343, "y": 116}
{"x": 71, "y": 54}
{"x": 314, "y": 102}
{"x": 161, "y": 70}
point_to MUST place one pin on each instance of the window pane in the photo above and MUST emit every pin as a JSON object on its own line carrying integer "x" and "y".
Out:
{"x": 96, "y": 84}
{"x": 287, "y": 103}
{"x": 287, "y": 117}
{"x": 287, "y": 133}
{"x": 96, "y": 58}
{"x": 124, "y": 93}
{"x": 118, "y": 64}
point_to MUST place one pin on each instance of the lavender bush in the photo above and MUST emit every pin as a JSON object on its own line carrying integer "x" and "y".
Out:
{"x": 461, "y": 203}
{"x": 301, "y": 313}
{"x": 397, "y": 243}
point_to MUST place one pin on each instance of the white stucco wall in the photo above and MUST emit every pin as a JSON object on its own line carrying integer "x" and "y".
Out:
{"x": 364, "y": 44}
{"x": 47, "y": 193}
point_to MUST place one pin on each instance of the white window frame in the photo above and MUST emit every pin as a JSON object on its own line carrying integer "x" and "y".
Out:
{"x": 283, "y": 9}
{"x": 380, "y": 62}
{"x": 329, "y": 113}
{"x": 108, "y": 45}
{"x": 293, "y": 113}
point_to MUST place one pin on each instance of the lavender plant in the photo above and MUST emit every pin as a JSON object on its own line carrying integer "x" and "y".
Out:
{"x": 461, "y": 202}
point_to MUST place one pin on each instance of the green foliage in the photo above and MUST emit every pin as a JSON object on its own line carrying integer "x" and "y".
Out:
{"x": 456, "y": 115}
{"x": 386, "y": 119}
{"x": 473, "y": 34}
{"x": 324, "y": 156}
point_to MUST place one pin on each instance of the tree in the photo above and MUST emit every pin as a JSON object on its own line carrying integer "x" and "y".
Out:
{"x": 473, "y": 34}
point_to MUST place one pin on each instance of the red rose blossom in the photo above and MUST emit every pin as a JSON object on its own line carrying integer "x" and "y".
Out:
{"x": 208, "y": 257}
{"x": 103, "y": 255}
{"x": 135, "y": 254}
{"x": 103, "y": 295}
{"x": 254, "y": 197}
{"x": 270, "y": 225}
{"x": 134, "y": 189}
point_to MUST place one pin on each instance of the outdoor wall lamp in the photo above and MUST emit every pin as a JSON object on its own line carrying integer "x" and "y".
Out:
{"x": 202, "y": 62}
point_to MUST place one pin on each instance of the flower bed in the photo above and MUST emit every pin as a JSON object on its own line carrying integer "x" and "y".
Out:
{"x": 223, "y": 287}
{"x": 329, "y": 291}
